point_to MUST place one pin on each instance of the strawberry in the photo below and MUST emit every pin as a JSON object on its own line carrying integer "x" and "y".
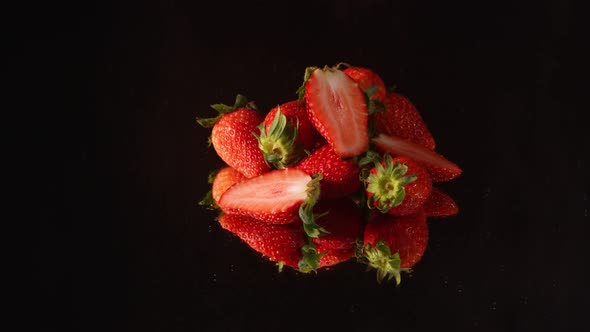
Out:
{"x": 340, "y": 177}
{"x": 224, "y": 179}
{"x": 277, "y": 197}
{"x": 343, "y": 221}
{"x": 402, "y": 119}
{"x": 330, "y": 257}
{"x": 439, "y": 168}
{"x": 440, "y": 204}
{"x": 398, "y": 186}
{"x": 337, "y": 108}
{"x": 367, "y": 80}
{"x": 232, "y": 137}
{"x": 395, "y": 244}
{"x": 295, "y": 112}
{"x": 278, "y": 243}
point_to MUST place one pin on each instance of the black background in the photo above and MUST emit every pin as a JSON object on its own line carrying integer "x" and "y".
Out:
{"x": 126, "y": 247}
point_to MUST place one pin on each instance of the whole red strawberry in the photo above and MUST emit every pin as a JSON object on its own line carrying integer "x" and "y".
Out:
{"x": 224, "y": 179}
{"x": 398, "y": 186}
{"x": 367, "y": 79}
{"x": 340, "y": 178}
{"x": 278, "y": 243}
{"x": 402, "y": 119}
{"x": 439, "y": 204}
{"x": 233, "y": 137}
{"x": 286, "y": 133}
{"x": 439, "y": 168}
{"x": 395, "y": 244}
{"x": 337, "y": 108}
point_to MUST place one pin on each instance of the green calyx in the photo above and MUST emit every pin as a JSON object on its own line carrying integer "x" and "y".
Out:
{"x": 241, "y": 101}
{"x": 301, "y": 90}
{"x": 311, "y": 228}
{"x": 310, "y": 258}
{"x": 279, "y": 145}
{"x": 387, "y": 264}
{"x": 373, "y": 106}
{"x": 388, "y": 184}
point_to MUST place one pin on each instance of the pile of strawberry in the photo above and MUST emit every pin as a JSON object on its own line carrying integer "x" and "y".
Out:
{"x": 344, "y": 171}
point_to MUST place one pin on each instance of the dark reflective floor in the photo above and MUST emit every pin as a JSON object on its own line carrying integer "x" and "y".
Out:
{"x": 494, "y": 85}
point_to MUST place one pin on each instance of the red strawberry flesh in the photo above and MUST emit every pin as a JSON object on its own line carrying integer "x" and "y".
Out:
{"x": 272, "y": 197}
{"x": 337, "y": 108}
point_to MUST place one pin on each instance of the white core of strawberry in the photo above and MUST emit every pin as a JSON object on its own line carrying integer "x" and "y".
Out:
{"x": 271, "y": 192}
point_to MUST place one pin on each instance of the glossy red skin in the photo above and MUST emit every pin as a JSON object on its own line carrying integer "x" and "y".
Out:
{"x": 344, "y": 221}
{"x": 334, "y": 256}
{"x": 277, "y": 243}
{"x": 293, "y": 111}
{"x": 224, "y": 179}
{"x": 439, "y": 204}
{"x": 366, "y": 78}
{"x": 235, "y": 144}
{"x": 407, "y": 235}
{"x": 417, "y": 192}
{"x": 402, "y": 119}
{"x": 340, "y": 177}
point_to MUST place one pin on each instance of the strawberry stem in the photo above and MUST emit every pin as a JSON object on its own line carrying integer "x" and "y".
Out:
{"x": 387, "y": 264}
{"x": 222, "y": 109}
{"x": 311, "y": 228}
{"x": 387, "y": 184}
{"x": 310, "y": 259}
{"x": 301, "y": 90}
{"x": 279, "y": 144}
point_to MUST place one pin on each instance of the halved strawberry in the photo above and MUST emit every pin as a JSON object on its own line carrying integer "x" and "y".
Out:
{"x": 439, "y": 168}
{"x": 276, "y": 197}
{"x": 286, "y": 133}
{"x": 338, "y": 110}
{"x": 402, "y": 119}
{"x": 439, "y": 204}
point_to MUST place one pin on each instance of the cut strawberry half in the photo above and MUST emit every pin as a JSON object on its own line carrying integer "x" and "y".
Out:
{"x": 337, "y": 108}
{"x": 439, "y": 204}
{"x": 439, "y": 168}
{"x": 276, "y": 197}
